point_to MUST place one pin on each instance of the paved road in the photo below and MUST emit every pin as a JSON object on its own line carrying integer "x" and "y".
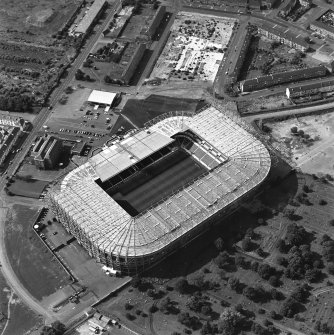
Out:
{"x": 8, "y": 272}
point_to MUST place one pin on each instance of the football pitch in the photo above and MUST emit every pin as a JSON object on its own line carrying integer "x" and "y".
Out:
{"x": 158, "y": 181}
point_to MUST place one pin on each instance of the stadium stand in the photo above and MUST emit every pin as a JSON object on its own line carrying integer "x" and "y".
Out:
{"x": 231, "y": 165}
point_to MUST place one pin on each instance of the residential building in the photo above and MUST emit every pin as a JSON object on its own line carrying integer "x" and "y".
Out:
{"x": 283, "y": 35}
{"x": 324, "y": 85}
{"x": 160, "y": 13}
{"x": 90, "y": 17}
{"x": 8, "y": 137}
{"x": 46, "y": 152}
{"x": 240, "y": 54}
{"x": 322, "y": 28}
{"x": 262, "y": 82}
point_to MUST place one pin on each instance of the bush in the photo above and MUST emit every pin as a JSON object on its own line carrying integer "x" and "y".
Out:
{"x": 182, "y": 286}
{"x": 246, "y": 244}
{"x": 128, "y": 306}
{"x": 294, "y": 130}
{"x": 322, "y": 202}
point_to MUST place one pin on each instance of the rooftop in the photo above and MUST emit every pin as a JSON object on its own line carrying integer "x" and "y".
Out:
{"x": 88, "y": 19}
{"x": 101, "y": 97}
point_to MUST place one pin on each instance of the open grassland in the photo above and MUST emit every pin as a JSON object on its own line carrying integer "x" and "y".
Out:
{"x": 312, "y": 146}
{"x": 22, "y": 319}
{"x": 35, "y": 20}
{"x": 34, "y": 265}
{"x": 31, "y": 188}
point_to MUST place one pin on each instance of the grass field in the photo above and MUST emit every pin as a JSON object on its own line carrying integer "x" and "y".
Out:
{"x": 42, "y": 17}
{"x": 22, "y": 319}
{"x": 31, "y": 189}
{"x": 36, "y": 268}
{"x": 158, "y": 181}
{"x": 141, "y": 111}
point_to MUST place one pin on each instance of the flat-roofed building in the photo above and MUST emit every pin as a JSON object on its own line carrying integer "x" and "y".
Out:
{"x": 102, "y": 98}
{"x": 90, "y": 17}
{"x": 262, "y": 82}
{"x": 46, "y": 152}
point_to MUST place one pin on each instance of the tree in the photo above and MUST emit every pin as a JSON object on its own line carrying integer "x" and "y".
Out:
{"x": 56, "y": 328}
{"x": 222, "y": 260}
{"x": 246, "y": 244}
{"x": 330, "y": 268}
{"x": 182, "y": 286}
{"x": 219, "y": 243}
{"x": 239, "y": 261}
{"x": 273, "y": 281}
{"x": 290, "y": 307}
{"x": 265, "y": 271}
{"x": 230, "y": 321}
{"x": 234, "y": 283}
{"x": 294, "y": 130}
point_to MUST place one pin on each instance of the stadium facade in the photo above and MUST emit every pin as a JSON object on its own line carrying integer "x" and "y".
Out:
{"x": 133, "y": 234}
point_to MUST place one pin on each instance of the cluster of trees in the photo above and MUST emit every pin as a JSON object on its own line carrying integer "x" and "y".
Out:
{"x": 16, "y": 101}
{"x": 323, "y": 327}
{"x": 80, "y": 75}
{"x": 293, "y": 303}
{"x": 199, "y": 304}
{"x": 303, "y": 263}
{"x": 189, "y": 321}
{"x": 56, "y": 328}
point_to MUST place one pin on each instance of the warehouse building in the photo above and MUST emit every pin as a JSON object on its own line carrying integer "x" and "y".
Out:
{"x": 90, "y": 17}
{"x": 259, "y": 83}
{"x": 283, "y": 35}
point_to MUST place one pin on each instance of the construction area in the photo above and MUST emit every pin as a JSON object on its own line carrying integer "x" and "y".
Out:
{"x": 195, "y": 47}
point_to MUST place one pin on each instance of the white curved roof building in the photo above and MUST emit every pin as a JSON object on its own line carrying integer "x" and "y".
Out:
{"x": 234, "y": 161}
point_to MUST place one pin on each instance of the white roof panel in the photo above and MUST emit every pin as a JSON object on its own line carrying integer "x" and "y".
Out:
{"x": 102, "y": 97}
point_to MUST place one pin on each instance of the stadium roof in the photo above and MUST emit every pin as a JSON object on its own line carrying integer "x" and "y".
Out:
{"x": 90, "y": 16}
{"x": 122, "y": 154}
{"x": 111, "y": 230}
{"x": 101, "y": 97}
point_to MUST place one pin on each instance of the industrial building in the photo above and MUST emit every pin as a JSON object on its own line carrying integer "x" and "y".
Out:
{"x": 324, "y": 85}
{"x": 283, "y": 35}
{"x": 230, "y": 165}
{"x": 46, "y": 152}
{"x": 90, "y": 17}
{"x": 259, "y": 83}
{"x": 240, "y": 54}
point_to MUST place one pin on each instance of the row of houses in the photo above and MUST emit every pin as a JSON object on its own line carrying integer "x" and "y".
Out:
{"x": 283, "y": 35}
{"x": 322, "y": 28}
{"x": 262, "y": 82}
{"x": 324, "y": 85}
{"x": 11, "y": 128}
{"x": 241, "y": 51}
{"x": 93, "y": 14}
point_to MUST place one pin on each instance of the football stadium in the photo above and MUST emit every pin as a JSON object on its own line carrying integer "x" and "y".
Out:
{"x": 144, "y": 196}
